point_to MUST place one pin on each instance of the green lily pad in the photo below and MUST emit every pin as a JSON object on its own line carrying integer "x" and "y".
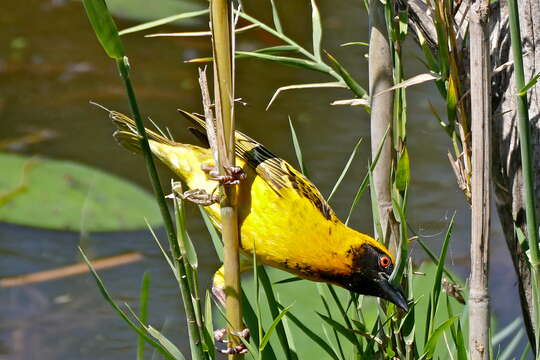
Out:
{"x": 63, "y": 195}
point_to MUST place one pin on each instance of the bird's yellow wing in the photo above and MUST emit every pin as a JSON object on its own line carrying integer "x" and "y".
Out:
{"x": 274, "y": 170}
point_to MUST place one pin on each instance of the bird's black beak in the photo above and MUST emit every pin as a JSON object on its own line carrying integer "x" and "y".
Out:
{"x": 393, "y": 294}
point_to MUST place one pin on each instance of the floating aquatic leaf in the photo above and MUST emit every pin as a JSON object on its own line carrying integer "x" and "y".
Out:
{"x": 63, "y": 195}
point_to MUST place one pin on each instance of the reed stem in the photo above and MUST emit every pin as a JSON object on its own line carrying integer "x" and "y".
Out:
{"x": 480, "y": 75}
{"x": 194, "y": 334}
{"x": 380, "y": 78}
{"x": 223, "y": 43}
{"x": 526, "y": 165}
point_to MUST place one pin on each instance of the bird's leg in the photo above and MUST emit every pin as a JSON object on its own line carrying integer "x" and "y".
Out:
{"x": 218, "y": 289}
{"x": 233, "y": 176}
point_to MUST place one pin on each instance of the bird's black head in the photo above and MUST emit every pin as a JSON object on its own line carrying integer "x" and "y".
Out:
{"x": 371, "y": 270}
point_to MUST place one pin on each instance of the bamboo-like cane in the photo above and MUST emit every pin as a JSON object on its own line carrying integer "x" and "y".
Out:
{"x": 221, "y": 26}
{"x": 480, "y": 75}
{"x": 527, "y": 167}
{"x": 380, "y": 79}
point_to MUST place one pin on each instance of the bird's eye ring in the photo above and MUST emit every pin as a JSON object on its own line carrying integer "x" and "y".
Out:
{"x": 384, "y": 261}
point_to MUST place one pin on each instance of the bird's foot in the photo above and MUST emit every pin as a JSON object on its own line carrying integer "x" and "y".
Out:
{"x": 219, "y": 336}
{"x": 200, "y": 197}
{"x": 233, "y": 176}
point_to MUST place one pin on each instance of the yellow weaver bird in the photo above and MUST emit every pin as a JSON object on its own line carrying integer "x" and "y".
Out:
{"x": 282, "y": 215}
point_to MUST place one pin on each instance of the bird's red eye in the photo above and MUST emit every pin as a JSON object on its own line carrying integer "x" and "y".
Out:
{"x": 384, "y": 261}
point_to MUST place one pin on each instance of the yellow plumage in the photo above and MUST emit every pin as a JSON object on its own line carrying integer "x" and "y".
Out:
{"x": 282, "y": 215}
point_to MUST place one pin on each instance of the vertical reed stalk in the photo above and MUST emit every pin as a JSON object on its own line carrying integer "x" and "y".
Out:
{"x": 223, "y": 43}
{"x": 380, "y": 78}
{"x": 526, "y": 165}
{"x": 107, "y": 34}
{"x": 480, "y": 74}
{"x": 193, "y": 329}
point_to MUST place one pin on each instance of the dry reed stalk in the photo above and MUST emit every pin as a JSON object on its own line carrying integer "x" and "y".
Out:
{"x": 480, "y": 75}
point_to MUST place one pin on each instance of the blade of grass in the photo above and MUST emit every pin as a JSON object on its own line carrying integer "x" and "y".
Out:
{"x": 187, "y": 250}
{"x": 288, "y": 280}
{"x": 358, "y": 43}
{"x": 165, "y": 255}
{"x": 375, "y": 206}
{"x": 272, "y": 50}
{"x": 333, "y": 84}
{"x": 347, "y": 78}
{"x": 320, "y": 289}
{"x": 274, "y": 310}
{"x": 313, "y": 336}
{"x": 434, "y": 258}
{"x": 525, "y": 354}
{"x": 199, "y": 33}
{"x": 530, "y": 84}
{"x": 345, "y": 169}
{"x": 457, "y": 335}
{"x": 288, "y": 335}
{"x": 167, "y": 344}
{"x": 365, "y": 181}
{"x": 272, "y": 327}
{"x": 162, "y": 339}
{"x": 298, "y": 150}
{"x": 275, "y": 17}
{"x": 209, "y": 326}
{"x": 403, "y": 250}
{"x": 527, "y": 167}
{"x": 316, "y": 30}
{"x": 163, "y": 21}
{"x": 327, "y": 336}
{"x": 108, "y": 298}
{"x": 347, "y": 332}
{"x": 256, "y": 296}
{"x": 342, "y": 312}
{"x": 286, "y": 60}
{"x": 506, "y": 331}
{"x": 437, "y": 283}
{"x": 104, "y": 28}
{"x": 430, "y": 347}
{"x": 214, "y": 235}
{"x": 509, "y": 349}
{"x": 279, "y": 35}
{"x": 143, "y": 312}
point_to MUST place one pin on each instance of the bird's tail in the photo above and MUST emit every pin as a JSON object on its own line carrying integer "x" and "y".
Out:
{"x": 128, "y": 136}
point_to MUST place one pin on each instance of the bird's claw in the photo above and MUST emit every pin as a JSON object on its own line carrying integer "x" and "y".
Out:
{"x": 219, "y": 335}
{"x": 233, "y": 176}
{"x": 200, "y": 197}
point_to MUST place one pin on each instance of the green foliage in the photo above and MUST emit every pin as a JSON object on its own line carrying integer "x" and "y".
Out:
{"x": 63, "y": 195}
{"x": 104, "y": 27}
{"x": 140, "y": 329}
{"x": 162, "y": 21}
{"x": 308, "y": 310}
{"x": 143, "y": 312}
{"x": 527, "y": 165}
